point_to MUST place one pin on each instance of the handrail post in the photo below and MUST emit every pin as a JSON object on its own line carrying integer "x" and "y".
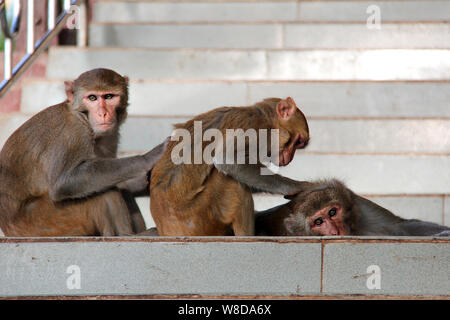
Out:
{"x": 51, "y": 14}
{"x": 67, "y": 5}
{"x": 8, "y": 57}
{"x": 34, "y": 49}
{"x": 30, "y": 26}
{"x": 82, "y": 33}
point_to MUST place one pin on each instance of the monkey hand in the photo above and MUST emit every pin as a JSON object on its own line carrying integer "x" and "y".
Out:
{"x": 152, "y": 157}
{"x": 136, "y": 185}
{"x": 445, "y": 233}
{"x": 299, "y": 187}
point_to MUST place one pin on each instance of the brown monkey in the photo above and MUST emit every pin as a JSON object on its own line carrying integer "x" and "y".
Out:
{"x": 216, "y": 199}
{"x": 59, "y": 175}
{"x": 328, "y": 208}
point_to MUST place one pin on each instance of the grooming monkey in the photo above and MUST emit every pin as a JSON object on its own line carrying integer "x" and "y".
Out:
{"x": 59, "y": 172}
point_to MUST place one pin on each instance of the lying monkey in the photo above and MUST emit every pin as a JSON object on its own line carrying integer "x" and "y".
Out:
{"x": 329, "y": 208}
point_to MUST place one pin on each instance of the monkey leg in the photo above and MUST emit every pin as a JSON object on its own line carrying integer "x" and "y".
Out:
{"x": 115, "y": 218}
{"x": 137, "y": 220}
{"x": 243, "y": 217}
{"x": 222, "y": 206}
{"x": 105, "y": 215}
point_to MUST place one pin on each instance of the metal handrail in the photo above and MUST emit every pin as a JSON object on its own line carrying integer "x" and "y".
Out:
{"x": 35, "y": 48}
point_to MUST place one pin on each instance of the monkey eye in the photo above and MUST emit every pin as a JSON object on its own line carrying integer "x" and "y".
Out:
{"x": 318, "y": 221}
{"x": 332, "y": 212}
{"x": 109, "y": 96}
{"x": 92, "y": 97}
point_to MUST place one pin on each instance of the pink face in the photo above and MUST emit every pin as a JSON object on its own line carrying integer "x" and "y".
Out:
{"x": 102, "y": 109}
{"x": 286, "y": 156}
{"x": 329, "y": 221}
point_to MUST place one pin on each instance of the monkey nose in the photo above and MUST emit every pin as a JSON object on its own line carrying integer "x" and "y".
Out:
{"x": 301, "y": 143}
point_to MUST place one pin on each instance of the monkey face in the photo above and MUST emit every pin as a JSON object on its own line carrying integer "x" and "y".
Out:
{"x": 294, "y": 131}
{"x": 102, "y": 96}
{"x": 101, "y": 108}
{"x": 329, "y": 221}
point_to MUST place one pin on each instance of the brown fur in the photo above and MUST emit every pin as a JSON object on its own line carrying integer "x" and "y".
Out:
{"x": 197, "y": 199}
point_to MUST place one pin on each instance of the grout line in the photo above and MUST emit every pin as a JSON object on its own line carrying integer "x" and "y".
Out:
{"x": 374, "y": 154}
{"x": 262, "y": 81}
{"x": 322, "y": 244}
{"x": 443, "y": 209}
{"x": 74, "y": 48}
{"x": 310, "y": 118}
{"x": 330, "y": 153}
{"x": 261, "y": 22}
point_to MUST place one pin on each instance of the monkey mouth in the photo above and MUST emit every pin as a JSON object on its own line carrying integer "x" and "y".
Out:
{"x": 286, "y": 157}
{"x": 104, "y": 126}
{"x": 288, "y": 154}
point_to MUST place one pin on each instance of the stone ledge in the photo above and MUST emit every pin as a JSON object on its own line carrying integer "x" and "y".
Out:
{"x": 224, "y": 267}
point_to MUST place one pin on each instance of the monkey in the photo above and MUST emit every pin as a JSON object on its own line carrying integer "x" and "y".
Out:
{"x": 329, "y": 208}
{"x": 59, "y": 171}
{"x": 215, "y": 199}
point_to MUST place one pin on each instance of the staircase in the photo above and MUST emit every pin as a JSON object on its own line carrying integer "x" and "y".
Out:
{"x": 377, "y": 101}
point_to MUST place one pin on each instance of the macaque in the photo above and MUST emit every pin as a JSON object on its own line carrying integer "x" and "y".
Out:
{"x": 215, "y": 199}
{"x": 328, "y": 208}
{"x": 59, "y": 175}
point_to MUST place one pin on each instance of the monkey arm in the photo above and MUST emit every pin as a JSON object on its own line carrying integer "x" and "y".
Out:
{"x": 139, "y": 185}
{"x": 443, "y": 234}
{"x": 376, "y": 220}
{"x": 95, "y": 175}
{"x": 250, "y": 175}
{"x": 415, "y": 227}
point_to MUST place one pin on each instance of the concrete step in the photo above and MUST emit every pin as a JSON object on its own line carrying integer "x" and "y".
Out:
{"x": 193, "y": 268}
{"x": 316, "y": 98}
{"x": 435, "y": 208}
{"x": 348, "y": 136}
{"x": 270, "y": 35}
{"x": 394, "y": 136}
{"x": 232, "y": 64}
{"x": 374, "y": 174}
{"x": 389, "y": 10}
{"x": 187, "y": 11}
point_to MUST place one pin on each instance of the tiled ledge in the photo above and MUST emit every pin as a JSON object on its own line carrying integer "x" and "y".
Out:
{"x": 199, "y": 267}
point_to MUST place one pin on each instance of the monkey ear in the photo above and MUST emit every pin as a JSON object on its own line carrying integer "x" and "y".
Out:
{"x": 290, "y": 224}
{"x": 68, "y": 85}
{"x": 286, "y": 108}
